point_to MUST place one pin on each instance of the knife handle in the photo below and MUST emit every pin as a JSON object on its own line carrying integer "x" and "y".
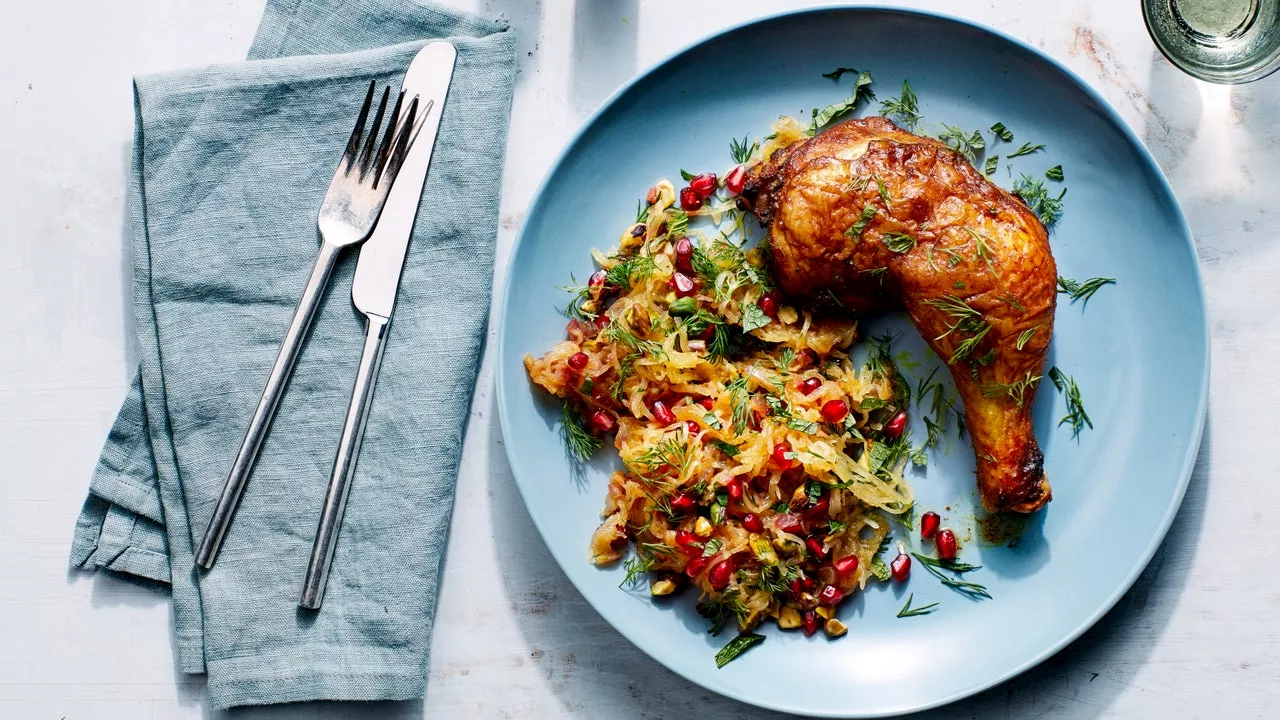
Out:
{"x": 344, "y": 464}
{"x": 276, "y": 381}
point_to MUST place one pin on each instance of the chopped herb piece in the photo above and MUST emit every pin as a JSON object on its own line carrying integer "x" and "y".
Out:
{"x": 957, "y": 285}
{"x": 835, "y": 526}
{"x": 813, "y": 491}
{"x": 855, "y": 230}
{"x": 898, "y": 242}
{"x": 1054, "y": 173}
{"x": 582, "y": 444}
{"x": 1025, "y": 337}
{"x": 736, "y": 647}
{"x": 872, "y": 403}
{"x": 965, "y": 143}
{"x": 804, "y": 426}
{"x": 1012, "y": 301}
{"x": 980, "y": 240}
{"x": 861, "y": 91}
{"x": 678, "y": 223}
{"x": 712, "y": 547}
{"x": 1082, "y": 290}
{"x": 726, "y": 448}
{"x": 903, "y": 107}
{"x": 878, "y": 273}
{"x": 753, "y": 318}
{"x": 1002, "y": 132}
{"x": 1076, "y": 415}
{"x": 1026, "y": 149}
{"x": 882, "y": 191}
{"x": 686, "y": 175}
{"x": 879, "y": 569}
{"x": 908, "y": 611}
{"x": 990, "y": 167}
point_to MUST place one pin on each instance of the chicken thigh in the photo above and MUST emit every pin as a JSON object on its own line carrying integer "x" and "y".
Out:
{"x": 867, "y": 217}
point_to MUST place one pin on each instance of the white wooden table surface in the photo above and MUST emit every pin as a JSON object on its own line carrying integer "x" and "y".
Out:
{"x": 1196, "y": 637}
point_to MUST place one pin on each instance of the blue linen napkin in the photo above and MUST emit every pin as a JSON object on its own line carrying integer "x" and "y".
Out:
{"x": 230, "y": 164}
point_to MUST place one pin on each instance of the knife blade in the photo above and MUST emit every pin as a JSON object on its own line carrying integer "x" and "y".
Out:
{"x": 377, "y": 280}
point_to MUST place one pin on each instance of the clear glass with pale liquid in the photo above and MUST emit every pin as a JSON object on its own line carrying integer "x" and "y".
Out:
{"x": 1223, "y": 41}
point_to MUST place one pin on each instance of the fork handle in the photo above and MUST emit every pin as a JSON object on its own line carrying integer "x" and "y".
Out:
{"x": 326, "y": 259}
{"x": 344, "y": 464}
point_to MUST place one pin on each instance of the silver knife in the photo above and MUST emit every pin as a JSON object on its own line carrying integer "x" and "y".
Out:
{"x": 374, "y": 293}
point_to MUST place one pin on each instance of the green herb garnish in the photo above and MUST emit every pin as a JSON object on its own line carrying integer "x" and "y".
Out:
{"x": 965, "y": 143}
{"x": 753, "y": 317}
{"x": 903, "y": 107}
{"x": 1015, "y": 390}
{"x": 856, "y": 229}
{"x": 1038, "y": 200}
{"x": 1026, "y": 149}
{"x": 899, "y": 242}
{"x": 1025, "y": 336}
{"x": 1076, "y": 415}
{"x": 861, "y": 91}
{"x": 1082, "y": 290}
{"x": 908, "y": 611}
{"x": 1002, "y": 132}
{"x": 838, "y": 72}
{"x": 1054, "y": 173}
{"x": 736, "y": 647}
{"x": 741, "y": 151}
{"x": 990, "y": 167}
{"x": 726, "y": 448}
{"x": 935, "y": 568}
{"x": 582, "y": 444}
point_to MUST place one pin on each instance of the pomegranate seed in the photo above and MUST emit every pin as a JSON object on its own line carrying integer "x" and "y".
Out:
{"x": 830, "y": 595}
{"x": 819, "y": 507}
{"x": 693, "y": 427}
{"x": 780, "y": 452}
{"x": 946, "y": 544}
{"x": 789, "y": 523}
{"x": 929, "y": 525}
{"x": 578, "y": 360}
{"x": 689, "y": 200}
{"x": 695, "y": 566}
{"x": 597, "y": 281}
{"x": 601, "y": 321}
{"x": 893, "y": 429}
{"x": 683, "y": 503}
{"x": 796, "y": 587}
{"x": 752, "y": 523}
{"x": 736, "y": 179}
{"x": 684, "y": 255}
{"x": 805, "y": 359}
{"x": 846, "y": 565}
{"x": 704, "y": 184}
{"x": 809, "y": 386}
{"x": 602, "y": 421}
{"x": 707, "y": 402}
{"x": 652, "y": 196}
{"x": 735, "y": 488}
{"x": 834, "y": 411}
{"x": 768, "y": 302}
{"x": 662, "y": 413}
{"x": 720, "y": 574}
{"x": 809, "y": 622}
{"x": 815, "y": 547}
{"x": 807, "y": 582}
{"x": 901, "y": 567}
{"x": 686, "y": 539}
{"x": 682, "y": 284}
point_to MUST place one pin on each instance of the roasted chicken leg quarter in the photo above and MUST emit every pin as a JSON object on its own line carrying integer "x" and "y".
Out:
{"x": 866, "y": 216}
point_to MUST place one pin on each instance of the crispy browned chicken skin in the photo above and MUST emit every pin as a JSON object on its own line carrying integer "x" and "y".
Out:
{"x": 875, "y": 218}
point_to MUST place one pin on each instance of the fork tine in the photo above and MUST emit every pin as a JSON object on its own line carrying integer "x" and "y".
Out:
{"x": 404, "y": 138}
{"x": 353, "y": 145}
{"x": 393, "y": 126}
{"x": 372, "y": 138}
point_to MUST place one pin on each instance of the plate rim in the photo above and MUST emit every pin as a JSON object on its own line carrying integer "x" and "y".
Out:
{"x": 1201, "y": 411}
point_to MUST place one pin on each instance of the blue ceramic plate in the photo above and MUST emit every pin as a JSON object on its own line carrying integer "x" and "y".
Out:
{"x": 1139, "y": 352}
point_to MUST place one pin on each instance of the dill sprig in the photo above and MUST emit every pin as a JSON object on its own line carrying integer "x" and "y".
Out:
{"x": 677, "y": 223}
{"x": 963, "y": 142}
{"x": 1012, "y": 301}
{"x": 630, "y": 270}
{"x": 582, "y": 301}
{"x": 739, "y": 404}
{"x": 1016, "y": 390}
{"x": 1082, "y": 290}
{"x": 980, "y": 240}
{"x": 1076, "y": 415}
{"x": 964, "y": 319}
{"x": 740, "y": 151}
{"x": 935, "y": 568}
{"x": 581, "y": 443}
{"x": 1025, "y": 337}
{"x": 903, "y": 107}
{"x": 669, "y": 455}
{"x": 908, "y": 611}
{"x": 1034, "y": 195}
{"x": 720, "y": 610}
{"x": 1026, "y": 149}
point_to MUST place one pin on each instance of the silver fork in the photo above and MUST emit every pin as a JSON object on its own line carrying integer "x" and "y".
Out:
{"x": 347, "y": 216}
